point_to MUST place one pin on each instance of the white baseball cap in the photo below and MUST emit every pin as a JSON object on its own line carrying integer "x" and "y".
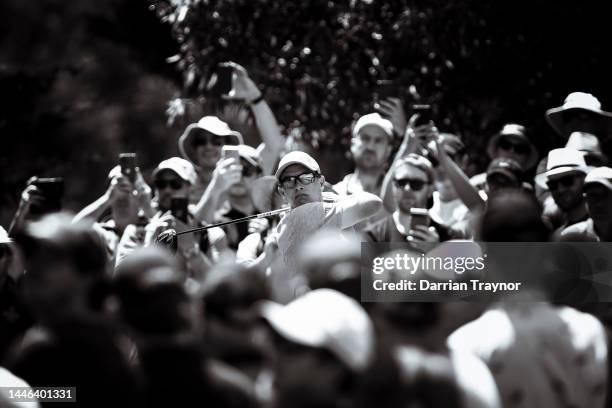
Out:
{"x": 325, "y": 318}
{"x": 183, "y": 168}
{"x": 373, "y": 119}
{"x": 297, "y": 157}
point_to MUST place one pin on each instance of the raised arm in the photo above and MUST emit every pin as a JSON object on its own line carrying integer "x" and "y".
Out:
{"x": 227, "y": 173}
{"x": 410, "y": 144}
{"x": 273, "y": 142}
{"x": 465, "y": 190}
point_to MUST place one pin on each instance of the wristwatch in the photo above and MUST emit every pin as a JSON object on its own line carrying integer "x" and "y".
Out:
{"x": 256, "y": 100}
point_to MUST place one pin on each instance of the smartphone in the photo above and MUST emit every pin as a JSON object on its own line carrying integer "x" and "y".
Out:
{"x": 230, "y": 151}
{"x": 419, "y": 216}
{"x": 52, "y": 189}
{"x": 179, "y": 208}
{"x": 223, "y": 83}
{"x": 127, "y": 161}
{"x": 425, "y": 114}
{"x": 385, "y": 89}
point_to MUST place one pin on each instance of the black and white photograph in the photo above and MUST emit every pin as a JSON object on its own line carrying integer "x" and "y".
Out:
{"x": 305, "y": 204}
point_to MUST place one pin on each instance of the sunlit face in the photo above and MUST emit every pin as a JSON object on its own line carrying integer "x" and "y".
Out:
{"x": 411, "y": 188}
{"x": 308, "y": 190}
{"x": 207, "y": 147}
{"x": 370, "y": 147}
{"x": 167, "y": 184}
{"x": 566, "y": 190}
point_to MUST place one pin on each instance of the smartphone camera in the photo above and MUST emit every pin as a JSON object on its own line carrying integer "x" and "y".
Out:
{"x": 385, "y": 89}
{"x": 425, "y": 115}
{"x": 419, "y": 216}
{"x": 221, "y": 81}
{"x": 52, "y": 190}
{"x": 127, "y": 162}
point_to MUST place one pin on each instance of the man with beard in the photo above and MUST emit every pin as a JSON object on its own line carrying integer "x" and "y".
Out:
{"x": 413, "y": 184}
{"x": 371, "y": 147}
{"x": 564, "y": 177}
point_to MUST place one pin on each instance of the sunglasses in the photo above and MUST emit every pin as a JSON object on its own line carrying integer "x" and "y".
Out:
{"x": 415, "y": 184}
{"x": 566, "y": 182}
{"x": 175, "y": 184}
{"x": 202, "y": 139}
{"x": 518, "y": 148}
{"x": 304, "y": 180}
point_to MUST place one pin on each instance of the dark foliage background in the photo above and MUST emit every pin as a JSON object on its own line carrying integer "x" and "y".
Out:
{"x": 83, "y": 81}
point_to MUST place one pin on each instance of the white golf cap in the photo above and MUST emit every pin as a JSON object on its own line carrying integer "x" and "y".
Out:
{"x": 325, "y": 318}
{"x": 183, "y": 168}
{"x": 373, "y": 119}
{"x": 297, "y": 157}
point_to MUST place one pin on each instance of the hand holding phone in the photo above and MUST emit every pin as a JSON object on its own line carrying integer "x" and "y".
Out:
{"x": 385, "y": 89}
{"x": 419, "y": 216}
{"x": 424, "y": 115}
{"x": 230, "y": 152}
{"x": 127, "y": 162}
{"x": 221, "y": 81}
{"x": 52, "y": 191}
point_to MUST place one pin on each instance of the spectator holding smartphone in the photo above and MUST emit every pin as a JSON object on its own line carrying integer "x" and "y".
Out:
{"x": 202, "y": 142}
{"x": 125, "y": 201}
{"x": 32, "y": 204}
{"x": 413, "y": 185}
{"x": 229, "y": 196}
{"x": 371, "y": 145}
{"x": 174, "y": 178}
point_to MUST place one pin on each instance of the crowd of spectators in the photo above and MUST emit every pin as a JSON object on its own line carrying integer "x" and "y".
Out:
{"x": 122, "y": 302}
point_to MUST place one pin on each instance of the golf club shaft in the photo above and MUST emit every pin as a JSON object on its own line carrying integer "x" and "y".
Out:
{"x": 250, "y": 217}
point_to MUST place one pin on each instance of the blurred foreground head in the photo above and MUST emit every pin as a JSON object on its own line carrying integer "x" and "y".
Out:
{"x": 512, "y": 216}
{"x": 65, "y": 263}
{"x": 151, "y": 296}
{"x": 325, "y": 342}
{"x": 230, "y": 291}
{"x": 332, "y": 262}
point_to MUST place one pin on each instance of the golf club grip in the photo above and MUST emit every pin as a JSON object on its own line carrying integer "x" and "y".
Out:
{"x": 250, "y": 217}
